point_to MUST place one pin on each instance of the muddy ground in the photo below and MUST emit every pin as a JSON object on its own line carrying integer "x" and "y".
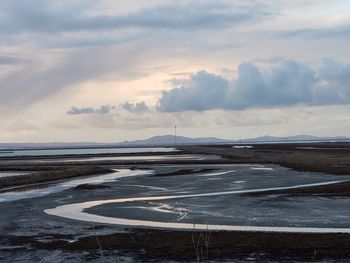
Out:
{"x": 29, "y": 235}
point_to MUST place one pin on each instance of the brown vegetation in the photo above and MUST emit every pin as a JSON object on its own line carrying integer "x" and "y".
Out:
{"x": 330, "y": 158}
{"x": 51, "y": 174}
{"x": 331, "y": 190}
{"x": 168, "y": 245}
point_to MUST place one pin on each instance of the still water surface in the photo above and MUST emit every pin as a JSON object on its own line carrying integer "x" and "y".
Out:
{"x": 84, "y": 151}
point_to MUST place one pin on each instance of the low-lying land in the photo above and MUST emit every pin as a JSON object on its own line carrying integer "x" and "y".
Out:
{"x": 160, "y": 245}
{"x": 333, "y": 190}
{"x": 332, "y": 158}
{"x": 48, "y": 174}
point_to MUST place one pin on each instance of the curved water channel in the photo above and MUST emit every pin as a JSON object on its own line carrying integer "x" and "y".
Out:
{"x": 38, "y": 191}
{"x": 77, "y": 211}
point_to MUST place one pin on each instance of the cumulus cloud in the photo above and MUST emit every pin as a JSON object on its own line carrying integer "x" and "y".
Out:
{"x": 204, "y": 91}
{"x": 52, "y": 16}
{"x": 288, "y": 83}
{"x": 139, "y": 107}
{"x": 104, "y": 109}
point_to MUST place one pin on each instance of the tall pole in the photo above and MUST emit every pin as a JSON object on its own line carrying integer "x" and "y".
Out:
{"x": 175, "y": 133}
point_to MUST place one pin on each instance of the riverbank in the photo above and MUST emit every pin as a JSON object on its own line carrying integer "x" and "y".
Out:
{"x": 48, "y": 174}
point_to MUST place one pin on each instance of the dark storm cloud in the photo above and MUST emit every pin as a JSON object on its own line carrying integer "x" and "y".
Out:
{"x": 55, "y": 16}
{"x": 139, "y": 107}
{"x": 104, "y": 109}
{"x": 288, "y": 83}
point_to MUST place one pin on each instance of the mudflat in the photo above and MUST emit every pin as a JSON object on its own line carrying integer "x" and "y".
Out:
{"x": 216, "y": 195}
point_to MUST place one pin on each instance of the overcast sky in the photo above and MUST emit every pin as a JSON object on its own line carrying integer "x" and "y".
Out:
{"x": 114, "y": 70}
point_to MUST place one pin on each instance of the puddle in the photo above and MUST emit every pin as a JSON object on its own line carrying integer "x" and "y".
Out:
{"x": 262, "y": 168}
{"x": 121, "y": 158}
{"x": 217, "y": 173}
{"x": 78, "y": 151}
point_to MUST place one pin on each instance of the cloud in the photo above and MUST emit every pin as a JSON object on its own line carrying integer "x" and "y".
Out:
{"x": 205, "y": 91}
{"x": 6, "y": 60}
{"x": 104, "y": 109}
{"x": 288, "y": 83}
{"x": 139, "y": 107}
{"x": 342, "y": 31}
{"x": 39, "y": 80}
{"x": 51, "y": 16}
{"x": 334, "y": 82}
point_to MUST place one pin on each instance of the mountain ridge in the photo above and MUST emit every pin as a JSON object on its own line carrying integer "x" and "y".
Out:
{"x": 167, "y": 140}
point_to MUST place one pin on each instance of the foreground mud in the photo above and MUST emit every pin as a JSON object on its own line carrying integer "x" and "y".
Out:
{"x": 158, "y": 245}
{"x": 333, "y": 190}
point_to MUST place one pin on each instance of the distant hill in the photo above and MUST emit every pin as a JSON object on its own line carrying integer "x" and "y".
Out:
{"x": 268, "y": 138}
{"x": 170, "y": 140}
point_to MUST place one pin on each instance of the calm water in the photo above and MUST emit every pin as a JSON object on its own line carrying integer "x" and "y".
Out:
{"x": 76, "y": 211}
{"x": 100, "y": 179}
{"x": 84, "y": 151}
{"x": 216, "y": 200}
{"x": 12, "y": 173}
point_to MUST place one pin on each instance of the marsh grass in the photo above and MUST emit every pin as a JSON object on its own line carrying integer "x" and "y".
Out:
{"x": 54, "y": 173}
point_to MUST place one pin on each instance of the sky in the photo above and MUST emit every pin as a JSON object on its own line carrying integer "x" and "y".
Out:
{"x": 114, "y": 70}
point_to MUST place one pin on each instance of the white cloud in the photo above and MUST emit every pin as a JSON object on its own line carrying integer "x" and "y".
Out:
{"x": 287, "y": 83}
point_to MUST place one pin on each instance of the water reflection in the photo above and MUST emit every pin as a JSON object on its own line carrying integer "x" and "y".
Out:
{"x": 38, "y": 192}
{"x": 76, "y": 211}
{"x": 40, "y": 152}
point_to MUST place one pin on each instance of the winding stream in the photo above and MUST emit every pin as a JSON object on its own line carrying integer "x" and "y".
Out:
{"x": 59, "y": 187}
{"x": 76, "y": 211}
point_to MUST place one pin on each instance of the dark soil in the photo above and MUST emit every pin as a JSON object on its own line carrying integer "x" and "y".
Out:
{"x": 51, "y": 175}
{"x": 332, "y": 190}
{"x": 184, "y": 172}
{"x": 90, "y": 187}
{"x": 184, "y": 245}
{"x": 332, "y": 158}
